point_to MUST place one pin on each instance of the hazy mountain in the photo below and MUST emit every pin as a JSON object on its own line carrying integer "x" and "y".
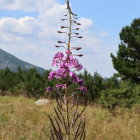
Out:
{"x": 10, "y": 61}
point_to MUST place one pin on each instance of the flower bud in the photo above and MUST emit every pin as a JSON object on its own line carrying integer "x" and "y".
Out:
{"x": 80, "y": 55}
{"x": 77, "y": 48}
{"x": 68, "y": 52}
{"x": 59, "y": 32}
{"x": 76, "y": 33}
{"x": 80, "y": 36}
{"x": 62, "y": 27}
{"x": 63, "y": 19}
{"x": 74, "y": 21}
{"x": 60, "y": 41}
{"x": 77, "y": 28}
{"x": 58, "y": 46}
{"x": 78, "y": 23}
{"x": 75, "y": 15}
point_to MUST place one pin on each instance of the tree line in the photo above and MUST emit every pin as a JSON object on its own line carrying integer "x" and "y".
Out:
{"x": 109, "y": 92}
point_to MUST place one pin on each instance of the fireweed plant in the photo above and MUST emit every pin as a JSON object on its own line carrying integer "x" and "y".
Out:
{"x": 69, "y": 121}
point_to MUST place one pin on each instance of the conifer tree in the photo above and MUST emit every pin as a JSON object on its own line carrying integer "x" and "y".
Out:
{"x": 127, "y": 61}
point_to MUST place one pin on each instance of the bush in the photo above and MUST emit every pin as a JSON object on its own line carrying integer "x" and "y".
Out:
{"x": 126, "y": 95}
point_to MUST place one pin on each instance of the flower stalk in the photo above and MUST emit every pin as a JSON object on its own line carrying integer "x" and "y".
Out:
{"x": 69, "y": 121}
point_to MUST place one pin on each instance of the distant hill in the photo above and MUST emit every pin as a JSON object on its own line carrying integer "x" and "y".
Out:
{"x": 10, "y": 61}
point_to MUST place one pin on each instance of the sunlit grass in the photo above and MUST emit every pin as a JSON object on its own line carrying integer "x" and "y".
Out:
{"x": 21, "y": 119}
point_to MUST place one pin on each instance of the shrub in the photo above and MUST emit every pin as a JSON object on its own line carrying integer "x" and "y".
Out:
{"x": 126, "y": 95}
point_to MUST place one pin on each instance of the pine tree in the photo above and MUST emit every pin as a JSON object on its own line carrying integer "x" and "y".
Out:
{"x": 127, "y": 61}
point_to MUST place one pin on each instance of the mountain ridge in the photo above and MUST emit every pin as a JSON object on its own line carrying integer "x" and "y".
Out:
{"x": 12, "y": 62}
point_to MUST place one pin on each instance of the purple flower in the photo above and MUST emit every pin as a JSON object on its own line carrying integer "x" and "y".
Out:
{"x": 54, "y": 62}
{"x": 51, "y": 75}
{"x": 76, "y": 79}
{"x": 48, "y": 89}
{"x": 57, "y": 58}
{"x": 68, "y": 52}
{"x": 61, "y": 86}
{"x": 84, "y": 89}
{"x": 79, "y": 67}
{"x": 60, "y": 73}
{"x": 80, "y": 82}
{"x": 75, "y": 64}
{"x": 65, "y": 64}
{"x": 71, "y": 74}
{"x": 59, "y": 55}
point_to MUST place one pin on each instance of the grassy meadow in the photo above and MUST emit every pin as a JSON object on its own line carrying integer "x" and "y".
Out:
{"x": 21, "y": 119}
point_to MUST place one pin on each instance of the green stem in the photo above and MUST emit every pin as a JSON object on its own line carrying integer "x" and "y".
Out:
{"x": 66, "y": 95}
{"x": 70, "y": 25}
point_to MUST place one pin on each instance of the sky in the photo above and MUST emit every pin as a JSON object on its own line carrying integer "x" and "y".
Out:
{"x": 28, "y": 30}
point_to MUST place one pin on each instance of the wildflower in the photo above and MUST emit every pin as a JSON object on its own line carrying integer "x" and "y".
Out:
{"x": 57, "y": 58}
{"x": 48, "y": 89}
{"x": 51, "y": 75}
{"x": 79, "y": 67}
{"x": 59, "y": 55}
{"x": 80, "y": 82}
{"x": 84, "y": 89}
{"x": 61, "y": 86}
{"x": 68, "y": 52}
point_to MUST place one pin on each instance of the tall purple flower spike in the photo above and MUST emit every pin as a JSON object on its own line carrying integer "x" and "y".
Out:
{"x": 69, "y": 122}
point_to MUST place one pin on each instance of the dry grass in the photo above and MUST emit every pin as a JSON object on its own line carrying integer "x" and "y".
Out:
{"x": 21, "y": 119}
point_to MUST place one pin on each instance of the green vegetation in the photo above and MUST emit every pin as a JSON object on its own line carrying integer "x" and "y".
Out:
{"x": 21, "y": 119}
{"x": 109, "y": 92}
{"x": 126, "y": 95}
{"x": 127, "y": 61}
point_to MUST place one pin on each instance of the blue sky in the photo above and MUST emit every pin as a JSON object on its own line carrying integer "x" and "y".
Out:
{"x": 17, "y": 13}
{"x": 28, "y": 29}
{"x": 107, "y": 14}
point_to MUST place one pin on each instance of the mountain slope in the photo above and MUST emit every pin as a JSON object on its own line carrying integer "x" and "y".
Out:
{"x": 10, "y": 61}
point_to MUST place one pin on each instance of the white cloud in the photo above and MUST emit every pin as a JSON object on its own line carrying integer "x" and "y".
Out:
{"x": 22, "y": 26}
{"x": 26, "y": 5}
{"x": 86, "y": 23}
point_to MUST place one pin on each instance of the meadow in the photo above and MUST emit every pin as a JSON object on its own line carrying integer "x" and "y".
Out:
{"x": 22, "y": 119}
